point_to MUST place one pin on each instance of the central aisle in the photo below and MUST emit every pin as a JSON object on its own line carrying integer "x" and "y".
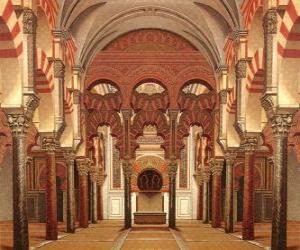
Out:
{"x": 110, "y": 235}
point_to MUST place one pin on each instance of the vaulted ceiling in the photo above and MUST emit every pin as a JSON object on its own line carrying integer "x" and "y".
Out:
{"x": 204, "y": 23}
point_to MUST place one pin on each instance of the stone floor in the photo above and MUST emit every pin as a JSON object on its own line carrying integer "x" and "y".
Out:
{"x": 189, "y": 235}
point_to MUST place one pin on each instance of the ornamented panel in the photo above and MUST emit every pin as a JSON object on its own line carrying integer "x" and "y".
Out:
{"x": 183, "y": 169}
{"x": 116, "y": 168}
{"x": 150, "y": 162}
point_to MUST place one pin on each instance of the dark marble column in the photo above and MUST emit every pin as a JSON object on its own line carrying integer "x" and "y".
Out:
{"x": 83, "y": 166}
{"x": 248, "y": 145}
{"x": 94, "y": 175}
{"x": 216, "y": 169}
{"x": 70, "y": 160}
{"x": 199, "y": 181}
{"x": 206, "y": 178}
{"x": 173, "y": 166}
{"x": 19, "y": 123}
{"x": 49, "y": 145}
{"x": 229, "y": 157}
{"x": 127, "y": 171}
{"x": 281, "y": 124}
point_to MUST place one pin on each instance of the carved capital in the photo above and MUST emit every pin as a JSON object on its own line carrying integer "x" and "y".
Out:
{"x": 76, "y": 96}
{"x": 18, "y": 123}
{"x": 59, "y": 69}
{"x": 270, "y": 21}
{"x": 173, "y": 113}
{"x": 268, "y": 105}
{"x": 281, "y": 124}
{"x": 29, "y": 21}
{"x": 32, "y": 103}
{"x": 223, "y": 96}
{"x": 83, "y": 166}
{"x": 49, "y": 143}
{"x": 230, "y": 157}
{"x": 241, "y": 69}
{"x": 127, "y": 113}
{"x": 270, "y": 161}
{"x": 69, "y": 156}
{"x": 249, "y": 144}
{"x": 216, "y": 166}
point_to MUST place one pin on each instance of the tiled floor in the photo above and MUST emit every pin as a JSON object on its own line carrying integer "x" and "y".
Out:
{"x": 262, "y": 234}
{"x": 110, "y": 235}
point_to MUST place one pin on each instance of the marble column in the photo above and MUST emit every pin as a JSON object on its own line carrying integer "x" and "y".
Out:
{"x": 19, "y": 123}
{"x": 127, "y": 171}
{"x": 281, "y": 124}
{"x": 173, "y": 166}
{"x": 94, "y": 175}
{"x": 83, "y": 167}
{"x": 49, "y": 145}
{"x": 199, "y": 181}
{"x": 216, "y": 170}
{"x": 206, "y": 179}
{"x": 100, "y": 197}
{"x": 248, "y": 145}
{"x": 70, "y": 160}
{"x": 229, "y": 157}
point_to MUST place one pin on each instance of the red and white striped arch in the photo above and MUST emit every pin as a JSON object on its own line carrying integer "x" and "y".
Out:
{"x": 68, "y": 101}
{"x": 289, "y": 35}
{"x": 10, "y": 31}
{"x": 255, "y": 77}
{"x": 249, "y": 8}
{"x": 231, "y": 101}
{"x": 44, "y": 73}
{"x": 229, "y": 51}
{"x": 70, "y": 50}
{"x": 50, "y": 8}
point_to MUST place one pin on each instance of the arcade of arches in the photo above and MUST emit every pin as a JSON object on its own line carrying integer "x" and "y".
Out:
{"x": 117, "y": 115}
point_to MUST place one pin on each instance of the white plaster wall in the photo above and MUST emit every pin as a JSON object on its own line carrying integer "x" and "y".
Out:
{"x": 6, "y": 187}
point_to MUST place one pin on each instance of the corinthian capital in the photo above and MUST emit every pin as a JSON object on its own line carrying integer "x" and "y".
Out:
{"x": 281, "y": 124}
{"x": 216, "y": 166}
{"x": 49, "y": 143}
{"x": 270, "y": 21}
{"x": 32, "y": 103}
{"x": 18, "y": 123}
{"x": 230, "y": 157}
{"x": 83, "y": 166}
{"x": 29, "y": 21}
{"x": 249, "y": 143}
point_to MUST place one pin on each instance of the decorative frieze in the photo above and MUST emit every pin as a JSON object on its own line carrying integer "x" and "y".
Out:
{"x": 183, "y": 169}
{"x": 116, "y": 168}
{"x": 29, "y": 21}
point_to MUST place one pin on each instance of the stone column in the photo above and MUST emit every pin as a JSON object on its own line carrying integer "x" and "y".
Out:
{"x": 127, "y": 171}
{"x": 83, "y": 166}
{"x": 100, "y": 182}
{"x": 29, "y": 21}
{"x": 94, "y": 175}
{"x": 19, "y": 123}
{"x": 229, "y": 157}
{"x": 173, "y": 166}
{"x": 49, "y": 145}
{"x": 70, "y": 158}
{"x": 199, "y": 181}
{"x": 206, "y": 179}
{"x": 281, "y": 124}
{"x": 216, "y": 169}
{"x": 248, "y": 145}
